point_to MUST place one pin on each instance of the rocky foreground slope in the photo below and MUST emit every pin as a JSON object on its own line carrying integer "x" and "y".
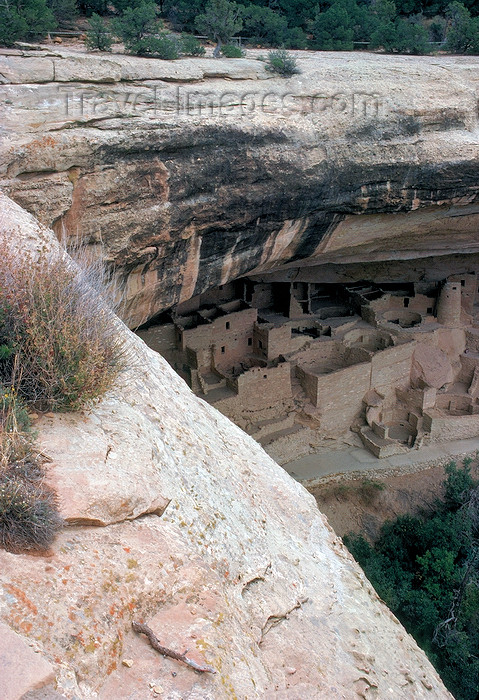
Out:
{"x": 179, "y": 519}
{"x": 195, "y": 172}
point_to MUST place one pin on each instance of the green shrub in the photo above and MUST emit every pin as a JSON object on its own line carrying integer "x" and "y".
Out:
{"x": 160, "y": 46}
{"x": 427, "y": 570}
{"x": 66, "y": 349}
{"x": 64, "y": 11}
{"x": 263, "y": 26}
{"x": 27, "y": 20}
{"x": 463, "y": 34}
{"x": 98, "y": 35}
{"x": 135, "y": 25}
{"x": 190, "y": 46}
{"x": 122, "y": 5}
{"x": 13, "y": 26}
{"x": 332, "y": 30}
{"x": 38, "y": 16}
{"x": 295, "y": 38}
{"x": 231, "y": 51}
{"x": 282, "y": 63}
{"x": 437, "y": 29}
{"x": 384, "y": 37}
{"x": 458, "y": 484}
{"x": 182, "y": 13}
{"x": 88, "y": 7}
{"x": 411, "y": 37}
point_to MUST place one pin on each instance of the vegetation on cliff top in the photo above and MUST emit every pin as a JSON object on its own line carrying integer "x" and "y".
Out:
{"x": 404, "y": 26}
{"x": 426, "y": 569}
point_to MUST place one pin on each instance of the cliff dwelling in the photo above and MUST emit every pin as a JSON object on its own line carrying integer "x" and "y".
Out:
{"x": 397, "y": 364}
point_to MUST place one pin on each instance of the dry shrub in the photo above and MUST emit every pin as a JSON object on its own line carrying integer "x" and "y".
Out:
{"x": 370, "y": 489}
{"x": 15, "y": 433}
{"x": 29, "y": 518}
{"x": 60, "y": 349}
{"x": 56, "y": 328}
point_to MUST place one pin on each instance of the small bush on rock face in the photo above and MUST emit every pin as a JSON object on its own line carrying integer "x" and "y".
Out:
{"x": 29, "y": 518}
{"x": 15, "y": 430}
{"x": 282, "y": 63}
{"x": 66, "y": 352}
{"x": 231, "y": 51}
{"x": 98, "y": 35}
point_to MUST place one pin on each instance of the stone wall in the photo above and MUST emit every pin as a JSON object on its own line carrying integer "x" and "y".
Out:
{"x": 309, "y": 382}
{"x": 280, "y": 341}
{"x": 468, "y": 367}
{"x": 340, "y": 397}
{"x": 231, "y": 336}
{"x": 443, "y": 428}
{"x": 261, "y": 387}
{"x": 391, "y": 368}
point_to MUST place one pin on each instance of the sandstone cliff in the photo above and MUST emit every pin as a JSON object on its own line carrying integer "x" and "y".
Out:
{"x": 195, "y": 172}
{"x": 180, "y": 519}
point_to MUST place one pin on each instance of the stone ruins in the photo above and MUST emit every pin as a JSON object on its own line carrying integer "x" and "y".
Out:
{"x": 398, "y": 364}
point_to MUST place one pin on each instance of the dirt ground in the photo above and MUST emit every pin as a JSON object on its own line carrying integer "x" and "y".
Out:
{"x": 363, "y": 505}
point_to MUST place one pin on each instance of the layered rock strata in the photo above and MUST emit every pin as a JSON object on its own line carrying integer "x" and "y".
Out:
{"x": 195, "y": 172}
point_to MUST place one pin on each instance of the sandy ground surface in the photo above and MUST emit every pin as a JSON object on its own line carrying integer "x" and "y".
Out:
{"x": 361, "y": 505}
{"x": 338, "y": 458}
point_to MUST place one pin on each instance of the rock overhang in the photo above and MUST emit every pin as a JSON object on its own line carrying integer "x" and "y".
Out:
{"x": 193, "y": 173}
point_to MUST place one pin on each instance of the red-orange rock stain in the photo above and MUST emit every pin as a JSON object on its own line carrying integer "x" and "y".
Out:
{"x": 21, "y": 598}
{"x": 46, "y": 141}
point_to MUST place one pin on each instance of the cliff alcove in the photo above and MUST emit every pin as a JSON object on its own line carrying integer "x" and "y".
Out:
{"x": 192, "y": 176}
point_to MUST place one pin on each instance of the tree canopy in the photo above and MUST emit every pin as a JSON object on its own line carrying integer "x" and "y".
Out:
{"x": 426, "y": 569}
{"x": 400, "y": 26}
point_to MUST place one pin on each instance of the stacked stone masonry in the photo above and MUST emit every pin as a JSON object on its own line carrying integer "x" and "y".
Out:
{"x": 398, "y": 364}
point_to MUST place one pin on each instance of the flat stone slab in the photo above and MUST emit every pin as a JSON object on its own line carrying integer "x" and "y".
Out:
{"x": 21, "y": 668}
